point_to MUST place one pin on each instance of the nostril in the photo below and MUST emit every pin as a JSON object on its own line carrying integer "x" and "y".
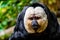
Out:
{"x": 34, "y": 23}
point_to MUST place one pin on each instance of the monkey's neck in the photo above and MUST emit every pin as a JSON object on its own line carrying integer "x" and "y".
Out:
{"x": 37, "y": 34}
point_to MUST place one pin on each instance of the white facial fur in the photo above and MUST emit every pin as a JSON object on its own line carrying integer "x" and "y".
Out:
{"x": 39, "y": 12}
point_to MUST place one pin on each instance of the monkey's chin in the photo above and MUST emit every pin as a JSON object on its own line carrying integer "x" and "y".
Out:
{"x": 38, "y": 31}
{"x": 35, "y": 31}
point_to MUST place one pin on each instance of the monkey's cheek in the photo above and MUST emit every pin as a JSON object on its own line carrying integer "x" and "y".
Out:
{"x": 43, "y": 26}
{"x": 28, "y": 28}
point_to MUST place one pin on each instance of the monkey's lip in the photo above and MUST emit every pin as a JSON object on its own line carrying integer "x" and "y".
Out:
{"x": 36, "y": 27}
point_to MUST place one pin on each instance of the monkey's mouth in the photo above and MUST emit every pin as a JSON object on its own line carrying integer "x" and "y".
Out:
{"x": 35, "y": 27}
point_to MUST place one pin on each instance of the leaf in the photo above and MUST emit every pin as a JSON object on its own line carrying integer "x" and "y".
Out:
{"x": 1, "y": 27}
{"x": 50, "y": 2}
{"x": 4, "y": 10}
{"x": 4, "y": 23}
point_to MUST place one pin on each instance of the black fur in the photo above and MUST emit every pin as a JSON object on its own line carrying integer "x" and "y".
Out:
{"x": 51, "y": 32}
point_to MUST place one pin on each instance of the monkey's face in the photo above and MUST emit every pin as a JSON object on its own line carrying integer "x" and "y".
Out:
{"x": 35, "y": 20}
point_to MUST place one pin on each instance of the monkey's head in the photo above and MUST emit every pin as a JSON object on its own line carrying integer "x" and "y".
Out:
{"x": 35, "y": 19}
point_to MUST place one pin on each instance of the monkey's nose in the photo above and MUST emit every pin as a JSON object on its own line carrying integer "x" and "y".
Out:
{"x": 34, "y": 24}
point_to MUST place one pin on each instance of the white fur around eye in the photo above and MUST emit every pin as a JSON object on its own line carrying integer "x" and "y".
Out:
{"x": 29, "y": 11}
{"x": 39, "y": 11}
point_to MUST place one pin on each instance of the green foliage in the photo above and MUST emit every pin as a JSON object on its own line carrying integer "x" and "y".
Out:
{"x": 9, "y": 10}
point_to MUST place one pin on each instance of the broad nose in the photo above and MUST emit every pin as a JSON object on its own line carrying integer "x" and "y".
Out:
{"x": 34, "y": 24}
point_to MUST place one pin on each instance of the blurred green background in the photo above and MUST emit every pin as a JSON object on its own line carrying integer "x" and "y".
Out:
{"x": 9, "y": 9}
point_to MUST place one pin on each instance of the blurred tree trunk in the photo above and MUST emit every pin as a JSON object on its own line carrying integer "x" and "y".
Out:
{"x": 52, "y": 5}
{"x": 58, "y": 8}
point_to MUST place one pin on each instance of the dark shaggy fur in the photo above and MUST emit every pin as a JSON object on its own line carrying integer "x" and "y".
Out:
{"x": 51, "y": 32}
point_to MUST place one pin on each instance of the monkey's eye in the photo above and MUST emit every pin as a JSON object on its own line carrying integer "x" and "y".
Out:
{"x": 37, "y": 18}
{"x": 31, "y": 18}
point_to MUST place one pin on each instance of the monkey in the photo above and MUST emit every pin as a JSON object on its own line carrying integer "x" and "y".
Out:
{"x": 36, "y": 22}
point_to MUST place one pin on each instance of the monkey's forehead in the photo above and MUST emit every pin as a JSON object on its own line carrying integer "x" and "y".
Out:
{"x": 39, "y": 11}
